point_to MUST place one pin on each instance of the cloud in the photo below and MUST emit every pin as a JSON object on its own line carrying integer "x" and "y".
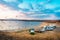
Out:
{"x": 38, "y": 15}
{"x": 50, "y": 17}
{"x": 23, "y": 5}
{"x": 49, "y": 6}
{"x": 10, "y": 0}
{"x": 43, "y": 16}
{"x": 7, "y": 12}
{"x": 57, "y": 10}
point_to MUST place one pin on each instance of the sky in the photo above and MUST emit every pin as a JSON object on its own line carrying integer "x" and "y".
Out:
{"x": 30, "y": 9}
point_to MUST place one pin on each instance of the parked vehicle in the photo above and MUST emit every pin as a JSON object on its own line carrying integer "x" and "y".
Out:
{"x": 32, "y": 31}
{"x": 43, "y": 29}
{"x": 50, "y": 27}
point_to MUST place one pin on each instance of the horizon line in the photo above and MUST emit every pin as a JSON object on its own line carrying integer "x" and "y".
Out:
{"x": 29, "y": 20}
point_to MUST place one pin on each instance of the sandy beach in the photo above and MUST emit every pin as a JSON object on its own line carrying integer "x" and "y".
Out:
{"x": 24, "y": 35}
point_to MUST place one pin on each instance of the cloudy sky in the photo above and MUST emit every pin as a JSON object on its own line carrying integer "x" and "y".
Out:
{"x": 30, "y": 9}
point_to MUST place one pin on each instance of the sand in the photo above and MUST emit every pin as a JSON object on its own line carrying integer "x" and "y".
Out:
{"x": 24, "y": 35}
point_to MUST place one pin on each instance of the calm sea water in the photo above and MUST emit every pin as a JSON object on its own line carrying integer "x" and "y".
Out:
{"x": 13, "y": 25}
{"x": 29, "y": 24}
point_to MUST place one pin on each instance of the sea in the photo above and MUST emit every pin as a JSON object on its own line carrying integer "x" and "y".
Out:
{"x": 18, "y": 25}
